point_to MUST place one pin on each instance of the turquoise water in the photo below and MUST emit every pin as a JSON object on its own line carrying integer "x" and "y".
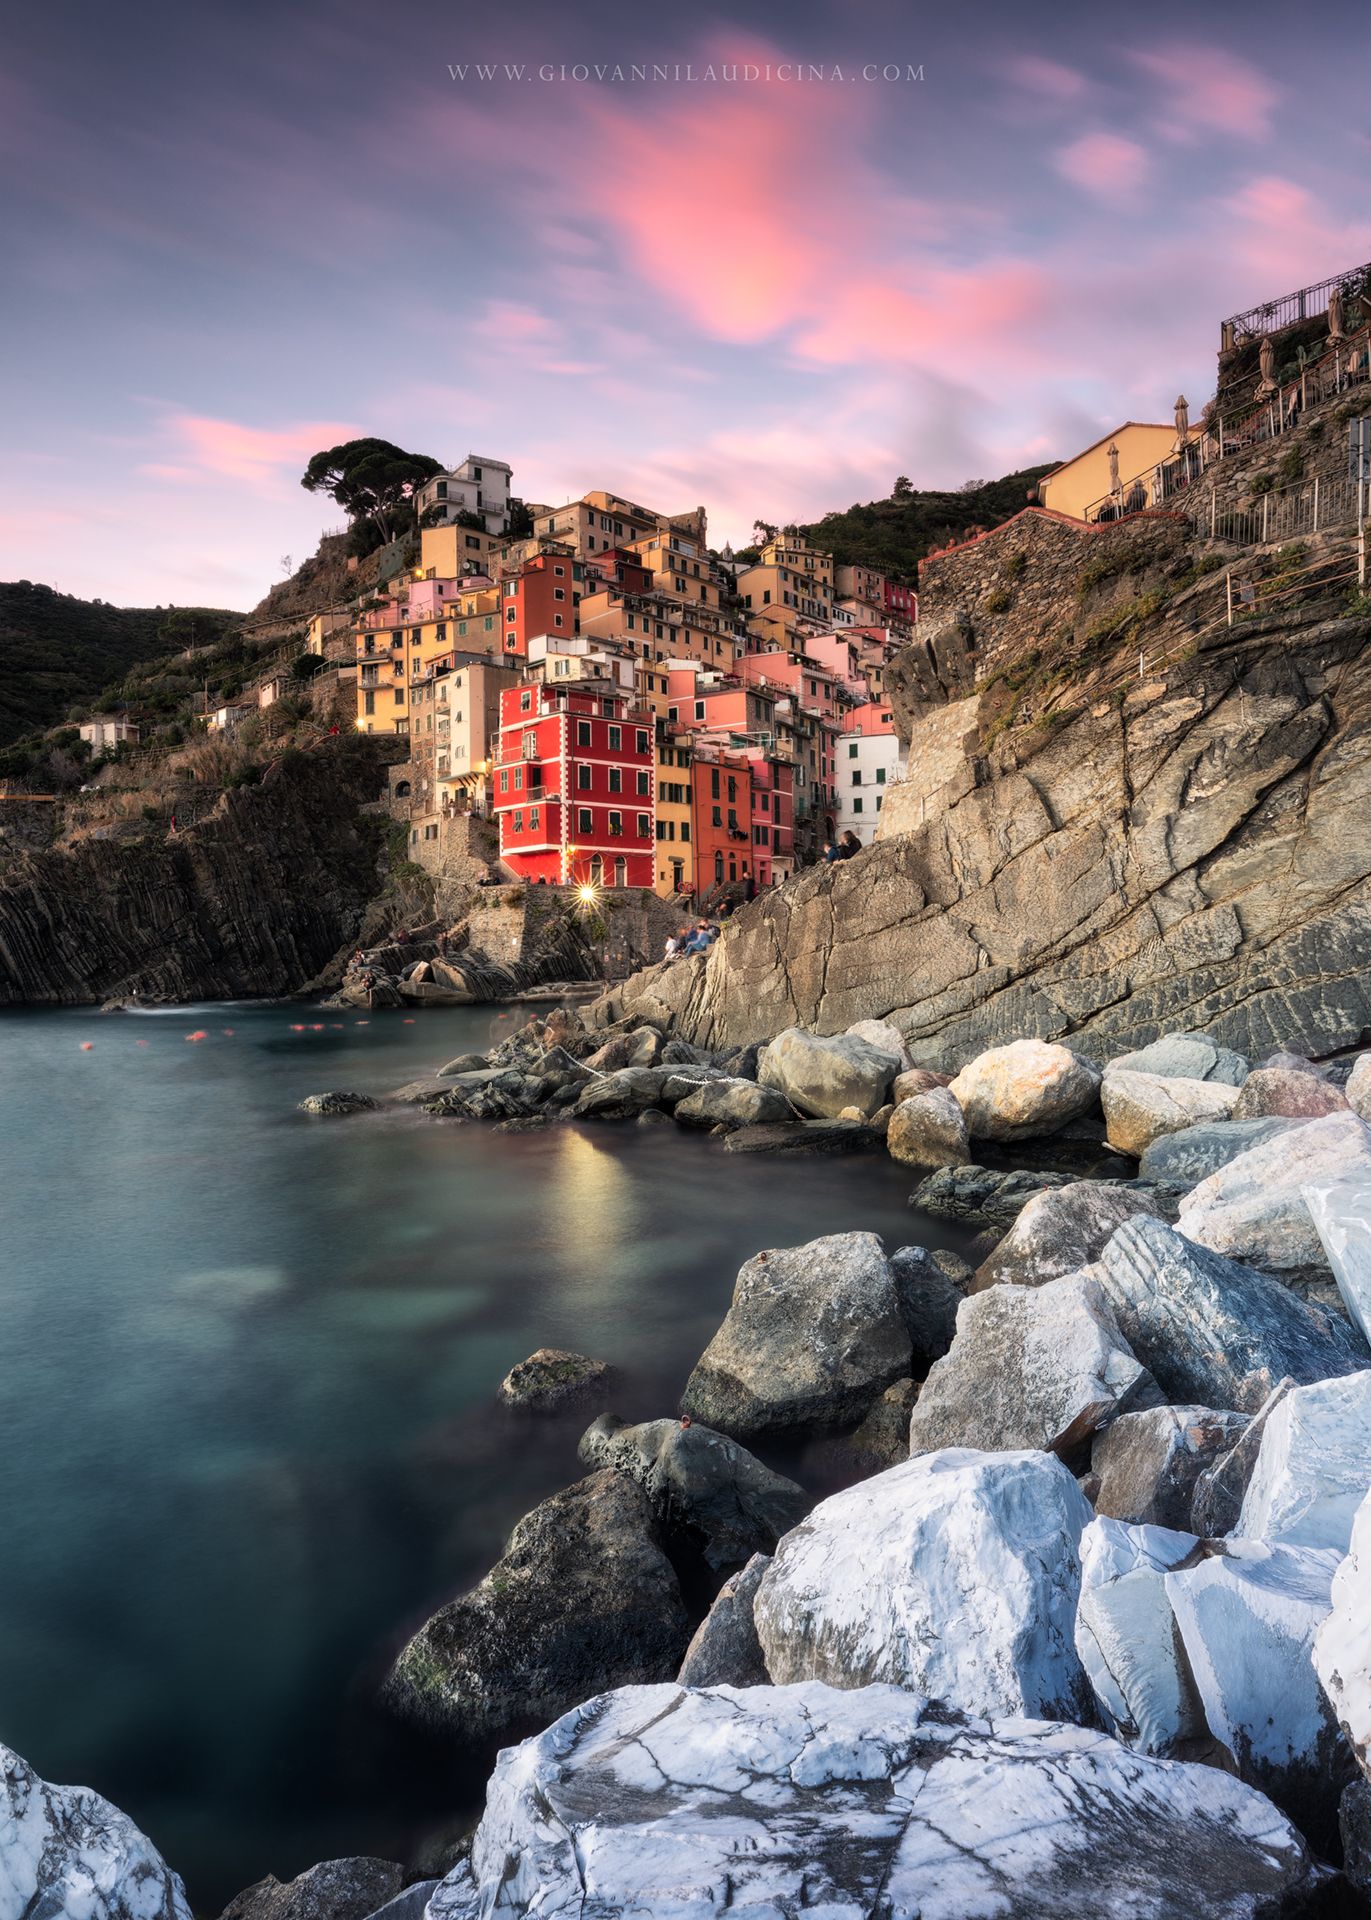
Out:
{"x": 246, "y": 1367}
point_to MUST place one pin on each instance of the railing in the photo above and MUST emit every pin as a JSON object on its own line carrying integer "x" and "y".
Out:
{"x": 1313, "y": 506}
{"x": 1289, "y": 308}
{"x": 1345, "y": 365}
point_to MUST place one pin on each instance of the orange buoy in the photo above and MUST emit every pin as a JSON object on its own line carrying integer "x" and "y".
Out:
{"x": 87, "y": 1046}
{"x": 296, "y": 1027}
{"x": 199, "y": 1034}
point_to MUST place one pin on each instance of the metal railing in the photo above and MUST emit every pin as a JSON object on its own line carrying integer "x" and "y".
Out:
{"x": 1288, "y": 308}
{"x": 1313, "y": 506}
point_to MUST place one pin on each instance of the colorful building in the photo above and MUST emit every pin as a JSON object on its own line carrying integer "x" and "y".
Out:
{"x": 544, "y": 597}
{"x": 869, "y": 761}
{"x": 449, "y": 552}
{"x": 478, "y": 488}
{"x": 454, "y": 731}
{"x": 574, "y": 792}
{"x": 1086, "y": 479}
{"x": 791, "y": 574}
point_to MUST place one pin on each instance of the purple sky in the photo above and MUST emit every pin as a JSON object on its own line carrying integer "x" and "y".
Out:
{"x": 235, "y": 232}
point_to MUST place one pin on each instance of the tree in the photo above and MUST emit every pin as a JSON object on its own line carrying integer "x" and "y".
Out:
{"x": 764, "y": 531}
{"x": 371, "y": 480}
{"x": 903, "y": 486}
{"x": 306, "y": 665}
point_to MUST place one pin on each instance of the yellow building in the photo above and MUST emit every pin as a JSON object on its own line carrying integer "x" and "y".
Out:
{"x": 659, "y": 627}
{"x": 680, "y": 566}
{"x": 675, "y": 868}
{"x": 596, "y": 522}
{"x": 393, "y": 652}
{"x": 446, "y": 553}
{"x": 1085, "y": 481}
{"x": 789, "y": 574}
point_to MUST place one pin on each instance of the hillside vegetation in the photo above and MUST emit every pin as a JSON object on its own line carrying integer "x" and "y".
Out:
{"x": 60, "y": 652}
{"x": 895, "y": 534}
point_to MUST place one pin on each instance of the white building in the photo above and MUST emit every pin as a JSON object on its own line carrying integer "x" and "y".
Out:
{"x": 225, "y": 719}
{"x": 868, "y": 763}
{"x": 480, "y": 486}
{"x": 108, "y": 730}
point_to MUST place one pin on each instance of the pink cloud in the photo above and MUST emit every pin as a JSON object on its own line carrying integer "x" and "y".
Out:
{"x": 1207, "y": 89}
{"x": 1104, "y": 164}
{"x": 255, "y": 454}
{"x": 1049, "y": 78}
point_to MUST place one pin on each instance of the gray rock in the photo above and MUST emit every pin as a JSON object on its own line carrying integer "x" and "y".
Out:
{"x": 1354, "y": 1828}
{"x": 1357, "y": 1087}
{"x": 916, "y": 1080}
{"x": 1185, "y": 1056}
{"x": 814, "y": 1334}
{"x": 552, "y": 1378}
{"x": 351, "y": 1889}
{"x": 739, "y": 1063}
{"x": 882, "y": 1440}
{"x": 1222, "y": 1487}
{"x": 1184, "y": 1159}
{"x": 821, "y": 1076}
{"x": 339, "y": 1102}
{"x": 699, "y": 1804}
{"x": 700, "y": 1479}
{"x": 1061, "y": 1230}
{"x": 928, "y": 1130}
{"x": 982, "y": 1196}
{"x": 1026, "y": 1088}
{"x": 1286, "y": 1094}
{"x": 1254, "y": 1208}
{"x": 725, "y": 1650}
{"x": 410, "y": 1904}
{"x": 622, "y": 1094}
{"x": 417, "y": 1093}
{"x": 884, "y": 1035}
{"x": 1147, "y": 1464}
{"x": 806, "y": 1136}
{"x": 1286, "y": 1062}
{"x": 466, "y": 1063}
{"x": 1211, "y": 1332}
{"x": 582, "y": 1598}
{"x": 733, "y": 1103}
{"x": 930, "y": 1287}
{"x": 1030, "y": 1367}
{"x": 1142, "y": 1107}
{"x": 67, "y": 1854}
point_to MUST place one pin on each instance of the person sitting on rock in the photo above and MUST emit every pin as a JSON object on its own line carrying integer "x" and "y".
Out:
{"x": 848, "y": 845}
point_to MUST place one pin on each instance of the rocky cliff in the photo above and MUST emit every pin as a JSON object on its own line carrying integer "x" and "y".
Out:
{"x": 253, "y": 899}
{"x": 1188, "y": 851}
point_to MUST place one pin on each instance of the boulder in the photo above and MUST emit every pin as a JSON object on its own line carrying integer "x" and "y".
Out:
{"x": 930, "y": 1284}
{"x": 882, "y": 1440}
{"x": 1341, "y": 1213}
{"x": 1210, "y": 1331}
{"x": 732, "y": 1103}
{"x": 764, "y": 1801}
{"x": 1283, "y": 1093}
{"x": 1026, "y": 1088}
{"x": 1357, "y": 1088}
{"x": 806, "y": 1136}
{"x": 1313, "y": 1468}
{"x": 1254, "y": 1208}
{"x": 1130, "y": 1645}
{"x": 1184, "y": 1159}
{"x": 552, "y": 1378}
{"x": 884, "y": 1035}
{"x": 583, "y": 1598}
{"x": 1354, "y": 1830}
{"x": 1184, "y": 1056}
{"x": 814, "y": 1334}
{"x": 1342, "y": 1647}
{"x": 1030, "y": 1367}
{"x": 640, "y": 1048}
{"x": 1293, "y": 1063}
{"x": 1247, "y": 1616}
{"x": 465, "y": 1063}
{"x": 916, "y": 1080}
{"x": 699, "y": 1479}
{"x": 412, "y": 1904}
{"x": 928, "y": 1130}
{"x": 820, "y": 1076}
{"x": 338, "y": 1102}
{"x": 982, "y": 1196}
{"x": 1222, "y": 1487}
{"x": 350, "y": 1889}
{"x": 620, "y": 1095}
{"x": 67, "y": 1854}
{"x": 1141, "y": 1107}
{"x": 725, "y": 1650}
{"x": 955, "y": 1575}
{"x": 1146, "y": 1464}
{"x": 1061, "y": 1230}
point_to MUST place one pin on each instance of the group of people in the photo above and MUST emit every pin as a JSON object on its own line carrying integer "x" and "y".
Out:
{"x": 697, "y": 939}
{"x": 842, "y": 849}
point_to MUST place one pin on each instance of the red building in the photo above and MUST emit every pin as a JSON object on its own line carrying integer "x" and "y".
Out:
{"x": 901, "y": 602}
{"x": 574, "y": 786}
{"x": 743, "y": 815}
{"x": 544, "y": 597}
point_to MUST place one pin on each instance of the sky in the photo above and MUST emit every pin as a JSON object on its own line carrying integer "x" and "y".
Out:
{"x": 234, "y": 233}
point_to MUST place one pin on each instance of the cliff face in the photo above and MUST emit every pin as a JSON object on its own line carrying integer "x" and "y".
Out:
{"x": 1194, "y": 853}
{"x": 254, "y": 899}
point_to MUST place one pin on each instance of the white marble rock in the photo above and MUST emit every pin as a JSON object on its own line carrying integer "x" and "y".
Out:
{"x": 1313, "y": 1469}
{"x": 67, "y": 1854}
{"x": 1342, "y": 1647}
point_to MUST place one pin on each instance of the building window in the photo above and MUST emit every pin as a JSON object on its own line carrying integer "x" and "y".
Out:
{"x": 616, "y": 739}
{"x": 644, "y": 781}
{"x": 880, "y": 776}
{"x": 644, "y": 826}
{"x": 533, "y": 817}
{"x": 583, "y": 733}
{"x": 583, "y": 819}
{"x": 504, "y": 779}
{"x": 685, "y": 829}
{"x": 525, "y": 702}
{"x": 852, "y": 751}
{"x": 718, "y": 868}
{"x": 518, "y": 820}
{"x": 616, "y": 826}
{"x": 530, "y": 744}
{"x": 856, "y": 806}
{"x": 716, "y": 817}
{"x": 559, "y": 593}
{"x": 583, "y": 776}
{"x": 616, "y": 780}
{"x": 857, "y": 777}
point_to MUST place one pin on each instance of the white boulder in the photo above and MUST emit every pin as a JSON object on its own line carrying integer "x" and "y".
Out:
{"x": 656, "y": 1803}
{"x": 1030, "y": 1367}
{"x": 1313, "y": 1468}
{"x": 821, "y": 1076}
{"x": 1128, "y": 1641}
{"x": 1025, "y": 1088}
{"x": 1141, "y": 1107}
{"x": 1342, "y": 1647}
{"x": 885, "y": 1036}
{"x": 1358, "y": 1088}
{"x": 1184, "y": 1056}
{"x": 1254, "y": 1208}
{"x": 955, "y": 1574}
{"x": 67, "y": 1854}
{"x": 1341, "y": 1212}
{"x": 928, "y": 1130}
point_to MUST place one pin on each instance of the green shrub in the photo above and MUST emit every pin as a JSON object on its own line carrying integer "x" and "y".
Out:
{"x": 998, "y": 602}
